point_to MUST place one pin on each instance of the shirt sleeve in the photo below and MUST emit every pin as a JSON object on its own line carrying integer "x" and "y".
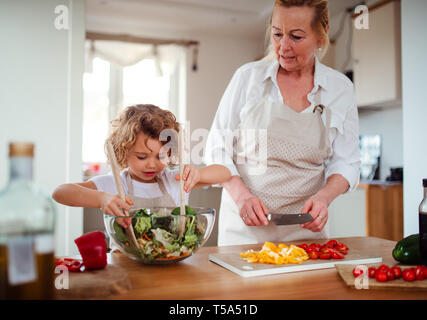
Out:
{"x": 345, "y": 158}
{"x": 219, "y": 144}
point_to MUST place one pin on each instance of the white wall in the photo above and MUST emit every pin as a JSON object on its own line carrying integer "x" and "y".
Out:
{"x": 41, "y": 97}
{"x": 219, "y": 58}
{"x": 414, "y": 70}
{"x": 387, "y": 123}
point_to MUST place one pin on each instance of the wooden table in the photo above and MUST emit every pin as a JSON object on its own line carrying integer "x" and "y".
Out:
{"x": 198, "y": 278}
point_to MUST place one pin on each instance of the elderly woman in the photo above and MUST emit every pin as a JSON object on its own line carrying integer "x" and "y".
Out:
{"x": 309, "y": 113}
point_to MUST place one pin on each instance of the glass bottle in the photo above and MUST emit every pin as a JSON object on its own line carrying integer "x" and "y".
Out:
{"x": 27, "y": 220}
{"x": 423, "y": 225}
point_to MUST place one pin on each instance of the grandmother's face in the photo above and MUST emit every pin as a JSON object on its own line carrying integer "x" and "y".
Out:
{"x": 293, "y": 38}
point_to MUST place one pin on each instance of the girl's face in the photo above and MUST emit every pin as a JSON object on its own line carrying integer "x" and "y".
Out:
{"x": 146, "y": 159}
{"x": 294, "y": 40}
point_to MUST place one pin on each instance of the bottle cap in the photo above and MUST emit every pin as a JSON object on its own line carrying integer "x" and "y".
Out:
{"x": 425, "y": 183}
{"x": 21, "y": 149}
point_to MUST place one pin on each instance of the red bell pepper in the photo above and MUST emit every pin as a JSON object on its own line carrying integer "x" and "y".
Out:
{"x": 93, "y": 249}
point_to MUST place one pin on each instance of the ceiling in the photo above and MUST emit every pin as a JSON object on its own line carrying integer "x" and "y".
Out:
{"x": 171, "y": 18}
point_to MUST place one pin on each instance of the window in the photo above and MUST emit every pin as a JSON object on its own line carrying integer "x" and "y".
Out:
{"x": 143, "y": 84}
{"x": 109, "y": 88}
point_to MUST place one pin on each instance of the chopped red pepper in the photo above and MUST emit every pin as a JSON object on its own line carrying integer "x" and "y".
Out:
{"x": 93, "y": 249}
{"x": 72, "y": 265}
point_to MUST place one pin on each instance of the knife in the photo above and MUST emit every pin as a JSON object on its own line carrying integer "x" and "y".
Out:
{"x": 287, "y": 219}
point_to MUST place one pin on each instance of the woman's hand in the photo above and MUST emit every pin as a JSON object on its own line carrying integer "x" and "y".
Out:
{"x": 252, "y": 211}
{"x": 113, "y": 205}
{"x": 317, "y": 206}
{"x": 191, "y": 176}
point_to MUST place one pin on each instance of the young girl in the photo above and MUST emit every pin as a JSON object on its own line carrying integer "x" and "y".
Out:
{"x": 146, "y": 179}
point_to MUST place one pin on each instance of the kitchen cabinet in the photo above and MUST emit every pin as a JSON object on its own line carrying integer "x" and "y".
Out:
{"x": 384, "y": 210}
{"x": 377, "y": 59}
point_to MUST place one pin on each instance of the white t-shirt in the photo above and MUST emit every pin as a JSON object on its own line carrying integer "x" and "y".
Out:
{"x": 106, "y": 183}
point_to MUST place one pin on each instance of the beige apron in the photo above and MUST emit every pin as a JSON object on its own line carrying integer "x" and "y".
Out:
{"x": 163, "y": 201}
{"x": 297, "y": 146}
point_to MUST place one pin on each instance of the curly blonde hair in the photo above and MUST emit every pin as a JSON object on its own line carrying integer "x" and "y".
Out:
{"x": 320, "y": 22}
{"x": 142, "y": 118}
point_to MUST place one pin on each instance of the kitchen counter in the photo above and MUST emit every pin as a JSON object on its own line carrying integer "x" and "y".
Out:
{"x": 198, "y": 278}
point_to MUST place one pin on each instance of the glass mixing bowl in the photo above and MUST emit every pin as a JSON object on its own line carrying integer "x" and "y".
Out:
{"x": 159, "y": 237}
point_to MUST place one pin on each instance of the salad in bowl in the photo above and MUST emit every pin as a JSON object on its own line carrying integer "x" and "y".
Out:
{"x": 161, "y": 235}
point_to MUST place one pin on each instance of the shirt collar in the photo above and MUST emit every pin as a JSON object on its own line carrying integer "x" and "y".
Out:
{"x": 319, "y": 73}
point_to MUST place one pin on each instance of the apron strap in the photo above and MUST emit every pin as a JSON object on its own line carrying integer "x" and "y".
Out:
{"x": 161, "y": 186}
{"x": 267, "y": 88}
{"x": 323, "y": 109}
{"x": 130, "y": 184}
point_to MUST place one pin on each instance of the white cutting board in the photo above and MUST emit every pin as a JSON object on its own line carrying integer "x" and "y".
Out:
{"x": 233, "y": 262}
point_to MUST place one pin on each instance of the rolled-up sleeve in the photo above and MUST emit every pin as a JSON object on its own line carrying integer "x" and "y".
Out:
{"x": 219, "y": 144}
{"x": 345, "y": 158}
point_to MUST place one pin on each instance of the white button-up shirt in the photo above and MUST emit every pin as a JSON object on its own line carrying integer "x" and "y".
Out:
{"x": 247, "y": 87}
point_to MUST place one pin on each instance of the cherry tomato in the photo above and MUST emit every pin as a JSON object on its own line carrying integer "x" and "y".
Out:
{"x": 336, "y": 255}
{"x": 425, "y": 272}
{"x": 419, "y": 275}
{"x": 390, "y": 275}
{"x": 408, "y": 275}
{"x": 313, "y": 255}
{"x": 324, "y": 249}
{"x": 383, "y": 267}
{"x": 331, "y": 243}
{"x": 381, "y": 276}
{"x": 397, "y": 272}
{"x": 357, "y": 272}
{"x": 303, "y": 246}
{"x": 325, "y": 256}
{"x": 341, "y": 246}
{"x": 371, "y": 272}
{"x": 310, "y": 250}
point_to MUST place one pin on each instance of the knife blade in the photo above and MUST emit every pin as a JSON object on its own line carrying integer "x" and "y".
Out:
{"x": 288, "y": 219}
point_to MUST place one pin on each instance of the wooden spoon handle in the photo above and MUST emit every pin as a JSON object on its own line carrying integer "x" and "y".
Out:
{"x": 181, "y": 148}
{"x": 116, "y": 173}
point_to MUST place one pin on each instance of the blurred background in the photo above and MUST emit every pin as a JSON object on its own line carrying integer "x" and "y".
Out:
{"x": 68, "y": 67}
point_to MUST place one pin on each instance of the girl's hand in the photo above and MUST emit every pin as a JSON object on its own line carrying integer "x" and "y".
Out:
{"x": 191, "y": 176}
{"x": 113, "y": 205}
{"x": 253, "y": 211}
{"x": 318, "y": 208}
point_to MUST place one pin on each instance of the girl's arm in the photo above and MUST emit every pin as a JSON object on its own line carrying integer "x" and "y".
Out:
{"x": 85, "y": 194}
{"x": 206, "y": 176}
{"x": 213, "y": 174}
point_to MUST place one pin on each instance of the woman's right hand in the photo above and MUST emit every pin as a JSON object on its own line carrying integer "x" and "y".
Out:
{"x": 113, "y": 205}
{"x": 252, "y": 211}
